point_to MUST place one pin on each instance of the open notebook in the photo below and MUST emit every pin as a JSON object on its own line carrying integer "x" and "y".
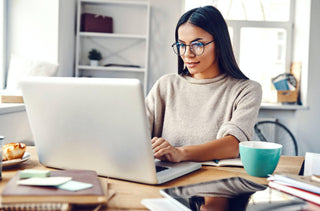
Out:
{"x": 97, "y": 124}
{"x": 235, "y": 162}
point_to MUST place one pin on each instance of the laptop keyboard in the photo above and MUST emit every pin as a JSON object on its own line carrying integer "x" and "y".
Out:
{"x": 160, "y": 168}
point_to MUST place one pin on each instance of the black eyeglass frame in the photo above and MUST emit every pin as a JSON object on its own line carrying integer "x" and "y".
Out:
{"x": 179, "y": 54}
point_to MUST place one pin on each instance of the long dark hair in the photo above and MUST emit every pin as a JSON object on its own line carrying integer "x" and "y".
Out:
{"x": 210, "y": 19}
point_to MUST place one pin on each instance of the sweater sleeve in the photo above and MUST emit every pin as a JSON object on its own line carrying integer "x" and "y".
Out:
{"x": 244, "y": 114}
{"x": 155, "y": 110}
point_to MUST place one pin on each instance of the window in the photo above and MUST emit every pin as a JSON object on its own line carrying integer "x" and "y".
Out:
{"x": 261, "y": 34}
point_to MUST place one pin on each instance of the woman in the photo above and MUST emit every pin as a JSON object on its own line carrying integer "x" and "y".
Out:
{"x": 204, "y": 111}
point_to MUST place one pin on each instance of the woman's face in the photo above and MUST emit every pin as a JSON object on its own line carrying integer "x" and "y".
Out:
{"x": 203, "y": 66}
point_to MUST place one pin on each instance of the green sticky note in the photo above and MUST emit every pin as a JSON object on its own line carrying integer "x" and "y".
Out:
{"x": 29, "y": 173}
{"x": 74, "y": 185}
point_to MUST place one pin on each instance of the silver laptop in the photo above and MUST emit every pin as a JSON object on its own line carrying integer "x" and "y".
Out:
{"x": 97, "y": 124}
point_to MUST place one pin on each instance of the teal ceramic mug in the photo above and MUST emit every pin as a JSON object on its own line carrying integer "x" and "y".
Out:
{"x": 259, "y": 158}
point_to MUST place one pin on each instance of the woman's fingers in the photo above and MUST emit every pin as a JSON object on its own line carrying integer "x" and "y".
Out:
{"x": 159, "y": 146}
{"x": 163, "y": 150}
{"x": 156, "y": 142}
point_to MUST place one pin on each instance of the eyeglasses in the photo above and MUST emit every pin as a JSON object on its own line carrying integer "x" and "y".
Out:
{"x": 196, "y": 48}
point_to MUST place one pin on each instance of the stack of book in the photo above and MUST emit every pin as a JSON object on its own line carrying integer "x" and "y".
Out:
{"x": 36, "y": 196}
{"x": 305, "y": 187}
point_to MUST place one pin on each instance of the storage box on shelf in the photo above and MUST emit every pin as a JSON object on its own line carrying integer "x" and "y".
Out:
{"x": 291, "y": 96}
{"x": 123, "y": 40}
{"x": 96, "y": 23}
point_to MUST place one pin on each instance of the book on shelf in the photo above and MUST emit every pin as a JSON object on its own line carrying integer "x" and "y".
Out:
{"x": 303, "y": 194}
{"x": 15, "y": 194}
{"x": 236, "y": 162}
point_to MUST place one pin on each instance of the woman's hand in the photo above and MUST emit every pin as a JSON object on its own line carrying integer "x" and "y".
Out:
{"x": 164, "y": 151}
{"x": 222, "y": 148}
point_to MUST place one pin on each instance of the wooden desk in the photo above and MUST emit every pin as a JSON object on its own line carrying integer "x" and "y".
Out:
{"x": 129, "y": 194}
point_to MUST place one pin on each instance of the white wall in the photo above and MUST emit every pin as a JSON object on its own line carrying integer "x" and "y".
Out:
{"x": 67, "y": 30}
{"x": 164, "y": 17}
{"x": 308, "y": 121}
{"x": 2, "y": 42}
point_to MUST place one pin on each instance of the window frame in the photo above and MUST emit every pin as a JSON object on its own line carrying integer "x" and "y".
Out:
{"x": 287, "y": 26}
{"x": 236, "y": 26}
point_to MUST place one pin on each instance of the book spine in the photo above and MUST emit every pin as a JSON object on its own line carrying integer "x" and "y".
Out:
{"x": 311, "y": 197}
{"x": 36, "y": 206}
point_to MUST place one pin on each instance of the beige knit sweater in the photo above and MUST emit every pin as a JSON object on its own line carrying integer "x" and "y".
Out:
{"x": 188, "y": 111}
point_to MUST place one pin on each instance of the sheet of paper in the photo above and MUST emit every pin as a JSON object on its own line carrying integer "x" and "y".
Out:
{"x": 312, "y": 164}
{"x": 159, "y": 204}
{"x": 74, "y": 185}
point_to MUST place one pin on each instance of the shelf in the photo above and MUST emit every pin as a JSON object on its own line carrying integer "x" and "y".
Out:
{"x": 111, "y": 35}
{"x": 279, "y": 106}
{"x": 128, "y": 44}
{"x": 6, "y": 108}
{"x": 143, "y": 3}
{"x": 123, "y": 69}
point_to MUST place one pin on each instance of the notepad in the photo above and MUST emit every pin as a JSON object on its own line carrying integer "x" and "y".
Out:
{"x": 224, "y": 162}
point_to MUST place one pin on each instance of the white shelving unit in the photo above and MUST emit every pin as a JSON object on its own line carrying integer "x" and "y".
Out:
{"x": 127, "y": 45}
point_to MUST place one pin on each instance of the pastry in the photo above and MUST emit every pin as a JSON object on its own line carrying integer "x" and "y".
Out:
{"x": 13, "y": 151}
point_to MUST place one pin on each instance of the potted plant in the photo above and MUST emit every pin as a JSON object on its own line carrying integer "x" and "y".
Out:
{"x": 95, "y": 57}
